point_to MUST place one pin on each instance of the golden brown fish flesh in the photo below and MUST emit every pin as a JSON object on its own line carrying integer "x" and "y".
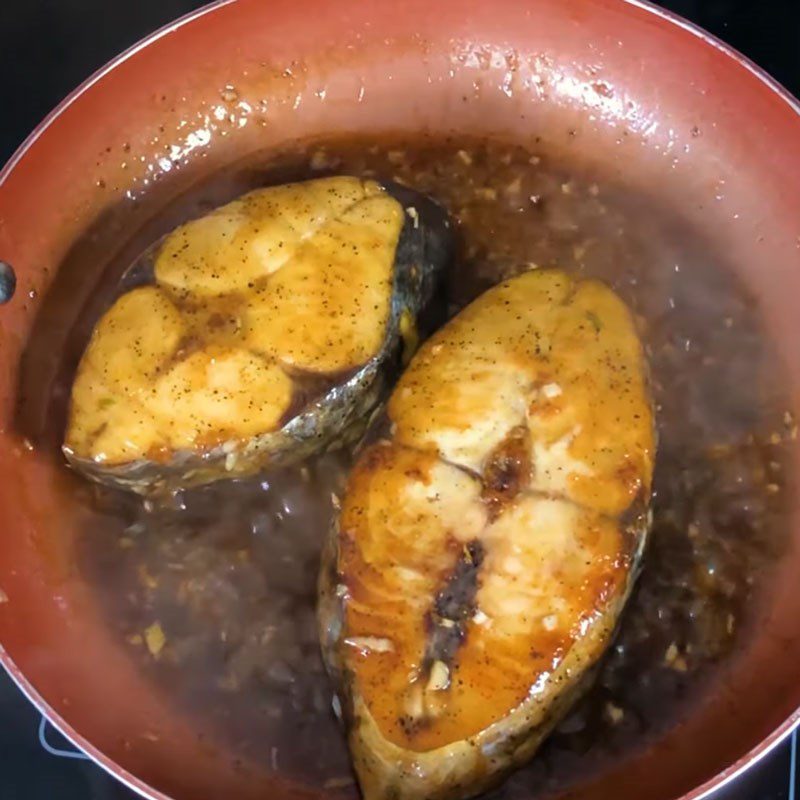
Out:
{"x": 486, "y": 548}
{"x": 265, "y": 330}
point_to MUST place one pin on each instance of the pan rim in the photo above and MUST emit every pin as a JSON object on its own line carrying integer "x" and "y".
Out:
{"x": 722, "y": 778}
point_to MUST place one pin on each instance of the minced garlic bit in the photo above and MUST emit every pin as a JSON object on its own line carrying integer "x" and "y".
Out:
{"x": 439, "y": 678}
{"x": 674, "y": 660}
{"x": 155, "y": 639}
{"x": 229, "y": 94}
{"x": 145, "y": 578}
{"x": 338, "y": 783}
{"x": 465, "y": 157}
{"x": 551, "y": 390}
{"x": 790, "y": 423}
{"x": 370, "y": 644}
{"x": 319, "y": 160}
{"x": 680, "y": 665}
{"x": 550, "y": 622}
{"x": 479, "y": 618}
{"x": 413, "y": 215}
{"x": 515, "y": 187}
{"x": 614, "y": 713}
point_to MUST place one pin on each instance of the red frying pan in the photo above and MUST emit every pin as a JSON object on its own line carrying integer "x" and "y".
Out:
{"x": 695, "y": 114}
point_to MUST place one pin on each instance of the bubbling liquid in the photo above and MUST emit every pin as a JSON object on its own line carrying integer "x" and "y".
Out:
{"x": 214, "y": 594}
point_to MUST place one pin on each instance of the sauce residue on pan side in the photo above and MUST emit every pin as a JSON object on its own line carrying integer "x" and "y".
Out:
{"x": 215, "y": 595}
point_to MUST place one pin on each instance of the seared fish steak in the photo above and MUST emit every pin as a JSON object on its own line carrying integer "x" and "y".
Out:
{"x": 266, "y": 330}
{"x": 486, "y": 548}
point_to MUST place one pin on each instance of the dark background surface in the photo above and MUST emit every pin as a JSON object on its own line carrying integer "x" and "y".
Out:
{"x": 47, "y": 47}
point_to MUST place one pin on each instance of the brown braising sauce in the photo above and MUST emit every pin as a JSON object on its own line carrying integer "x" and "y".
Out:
{"x": 214, "y": 594}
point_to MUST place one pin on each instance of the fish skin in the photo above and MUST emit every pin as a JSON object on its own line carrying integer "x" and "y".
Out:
{"x": 495, "y": 724}
{"x": 332, "y": 418}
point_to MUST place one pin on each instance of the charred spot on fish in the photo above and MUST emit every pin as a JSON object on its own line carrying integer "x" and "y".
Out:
{"x": 444, "y": 639}
{"x": 507, "y": 471}
{"x": 455, "y": 601}
{"x": 453, "y": 607}
{"x": 218, "y": 321}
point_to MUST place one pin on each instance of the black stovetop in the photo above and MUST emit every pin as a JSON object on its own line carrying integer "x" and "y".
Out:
{"x": 49, "y": 46}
